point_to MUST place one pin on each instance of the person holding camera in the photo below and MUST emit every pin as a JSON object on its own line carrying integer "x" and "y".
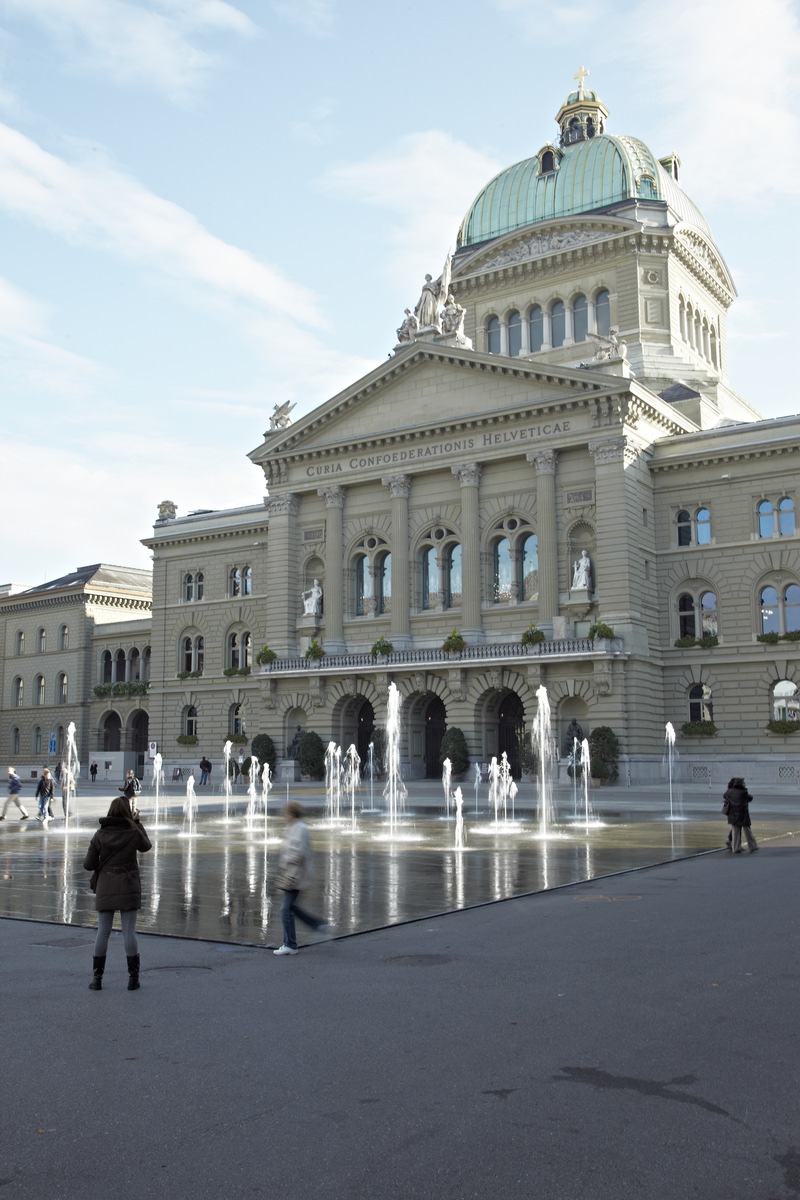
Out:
{"x": 112, "y": 856}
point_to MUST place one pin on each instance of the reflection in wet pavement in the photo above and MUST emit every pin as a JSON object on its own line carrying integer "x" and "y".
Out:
{"x": 217, "y": 885}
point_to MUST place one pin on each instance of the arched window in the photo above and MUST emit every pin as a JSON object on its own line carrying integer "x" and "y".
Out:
{"x": 236, "y": 720}
{"x": 199, "y": 653}
{"x": 530, "y": 567}
{"x": 493, "y": 335}
{"x": 60, "y": 739}
{"x": 384, "y": 583}
{"x": 63, "y": 638}
{"x": 548, "y": 162}
{"x": 41, "y": 641}
{"x": 791, "y": 608}
{"x": 37, "y": 740}
{"x": 190, "y": 722}
{"x": 134, "y": 665}
{"x": 580, "y": 319}
{"x": 602, "y": 312}
{"x": 684, "y": 523}
{"x": 15, "y": 740}
{"x": 61, "y": 688}
{"x": 430, "y": 578}
{"x": 234, "y": 651}
{"x": 452, "y": 598}
{"x": 199, "y": 585}
{"x": 536, "y": 329}
{"x": 235, "y": 581}
{"x": 709, "y": 625}
{"x": 107, "y": 667}
{"x": 770, "y": 614}
{"x": 19, "y": 642}
{"x": 686, "y": 622}
{"x": 146, "y": 663}
{"x": 18, "y": 693}
{"x": 192, "y": 653}
{"x": 514, "y": 333}
{"x": 703, "y": 526}
{"x": 38, "y": 690}
{"x": 119, "y": 667}
{"x": 700, "y": 705}
{"x": 188, "y": 587}
{"x": 766, "y": 519}
{"x": 503, "y": 571}
{"x": 694, "y": 529}
{"x": 363, "y": 582}
{"x": 785, "y": 701}
{"x": 246, "y": 650}
{"x": 786, "y": 523}
{"x": 247, "y": 581}
{"x": 558, "y": 323}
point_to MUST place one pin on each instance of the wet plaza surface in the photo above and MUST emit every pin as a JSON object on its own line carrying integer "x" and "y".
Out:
{"x": 217, "y": 885}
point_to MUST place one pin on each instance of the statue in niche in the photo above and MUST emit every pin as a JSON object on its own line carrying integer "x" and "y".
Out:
{"x": 409, "y": 327}
{"x": 582, "y": 573}
{"x": 453, "y": 317}
{"x": 293, "y": 748}
{"x": 574, "y": 734}
{"x": 312, "y": 600}
{"x": 280, "y": 418}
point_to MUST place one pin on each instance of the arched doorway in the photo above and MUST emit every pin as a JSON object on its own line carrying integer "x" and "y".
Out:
{"x": 139, "y": 733}
{"x": 365, "y": 730}
{"x": 435, "y": 725}
{"x": 112, "y": 732}
{"x": 511, "y": 730}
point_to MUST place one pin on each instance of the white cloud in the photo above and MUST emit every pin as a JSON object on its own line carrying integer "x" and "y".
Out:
{"x": 133, "y": 43}
{"x": 91, "y": 202}
{"x": 316, "y": 129}
{"x": 428, "y": 180}
{"x": 311, "y": 16}
{"x": 29, "y": 359}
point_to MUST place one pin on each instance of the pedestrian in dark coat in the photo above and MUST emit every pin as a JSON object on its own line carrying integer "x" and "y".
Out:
{"x": 112, "y": 854}
{"x": 44, "y": 795}
{"x": 737, "y": 801}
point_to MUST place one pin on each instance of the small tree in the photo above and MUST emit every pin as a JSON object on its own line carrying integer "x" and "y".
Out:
{"x": 263, "y": 747}
{"x": 311, "y": 756}
{"x": 454, "y": 747}
{"x": 604, "y": 753}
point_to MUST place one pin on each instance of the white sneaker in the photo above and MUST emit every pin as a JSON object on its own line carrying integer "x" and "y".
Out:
{"x": 284, "y": 950}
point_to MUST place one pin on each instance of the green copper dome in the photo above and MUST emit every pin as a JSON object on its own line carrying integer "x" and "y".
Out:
{"x": 590, "y": 170}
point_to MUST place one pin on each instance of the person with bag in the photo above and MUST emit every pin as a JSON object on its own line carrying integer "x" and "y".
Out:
{"x": 44, "y": 795}
{"x": 736, "y": 803}
{"x": 295, "y": 870}
{"x": 14, "y": 789}
{"x": 112, "y": 857}
{"x": 131, "y": 787}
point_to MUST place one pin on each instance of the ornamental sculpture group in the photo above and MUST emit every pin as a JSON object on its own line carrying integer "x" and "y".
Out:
{"x": 436, "y": 313}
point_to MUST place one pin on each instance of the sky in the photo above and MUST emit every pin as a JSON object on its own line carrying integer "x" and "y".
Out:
{"x": 209, "y": 207}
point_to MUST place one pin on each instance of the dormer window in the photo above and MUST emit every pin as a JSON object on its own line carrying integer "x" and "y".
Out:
{"x": 548, "y": 162}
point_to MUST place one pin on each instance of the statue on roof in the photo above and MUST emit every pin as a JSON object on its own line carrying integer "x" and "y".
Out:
{"x": 427, "y": 309}
{"x": 609, "y": 346}
{"x": 408, "y": 328}
{"x": 280, "y": 418}
{"x": 167, "y": 510}
{"x": 453, "y": 317}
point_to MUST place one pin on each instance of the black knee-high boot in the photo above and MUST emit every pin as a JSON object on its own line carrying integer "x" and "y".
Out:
{"x": 98, "y": 966}
{"x": 133, "y": 972}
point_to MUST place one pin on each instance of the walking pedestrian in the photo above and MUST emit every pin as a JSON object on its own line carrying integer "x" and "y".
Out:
{"x": 14, "y": 789}
{"x": 737, "y": 807}
{"x": 112, "y": 856}
{"x": 44, "y": 795}
{"x": 131, "y": 787}
{"x": 93, "y": 771}
{"x": 295, "y": 871}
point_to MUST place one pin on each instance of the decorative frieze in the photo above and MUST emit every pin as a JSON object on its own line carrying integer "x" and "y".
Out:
{"x": 282, "y": 506}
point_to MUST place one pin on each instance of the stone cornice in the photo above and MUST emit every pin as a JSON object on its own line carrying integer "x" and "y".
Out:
{"x": 705, "y": 263}
{"x": 721, "y": 457}
{"x": 170, "y": 535}
{"x": 79, "y": 600}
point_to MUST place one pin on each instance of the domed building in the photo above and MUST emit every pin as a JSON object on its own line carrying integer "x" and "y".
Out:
{"x": 550, "y": 483}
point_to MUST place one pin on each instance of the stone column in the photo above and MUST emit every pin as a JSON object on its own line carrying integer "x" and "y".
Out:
{"x": 469, "y": 476}
{"x": 611, "y": 570}
{"x": 332, "y": 598}
{"x": 544, "y": 463}
{"x": 400, "y": 490}
{"x": 281, "y": 558}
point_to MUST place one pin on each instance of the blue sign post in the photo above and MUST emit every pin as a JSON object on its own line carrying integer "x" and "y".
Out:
{"x": 52, "y": 747}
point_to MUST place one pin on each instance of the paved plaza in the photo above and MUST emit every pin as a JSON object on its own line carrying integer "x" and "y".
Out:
{"x": 632, "y": 1035}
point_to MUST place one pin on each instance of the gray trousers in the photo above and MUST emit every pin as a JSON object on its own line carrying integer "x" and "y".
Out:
{"x": 736, "y": 838}
{"x": 14, "y": 799}
{"x": 104, "y": 922}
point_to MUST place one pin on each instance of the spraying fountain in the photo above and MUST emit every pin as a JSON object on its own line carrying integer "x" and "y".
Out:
{"x": 351, "y": 780}
{"x": 476, "y": 781}
{"x": 459, "y": 804}
{"x": 395, "y": 791}
{"x": 671, "y": 755}
{"x": 371, "y": 776}
{"x": 69, "y": 784}
{"x": 447, "y": 774}
{"x": 226, "y": 750}
{"x": 543, "y": 743}
{"x": 157, "y": 776}
{"x": 252, "y": 793}
{"x": 333, "y": 782}
{"x": 266, "y": 787}
{"x": 189, "y": 809}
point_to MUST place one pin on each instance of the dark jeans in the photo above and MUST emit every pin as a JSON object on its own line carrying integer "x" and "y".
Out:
{"x": 291, "y": 909}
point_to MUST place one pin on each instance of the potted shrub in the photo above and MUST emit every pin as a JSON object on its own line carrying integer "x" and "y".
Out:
{"x": 382, "y": 648}
{"x": 311, "y": 756}
{"x": 263, "y": 747}
{"x": 698, "y": 729}
{"x": 315, "y": 651}
{"x": 532, "y": 636}
{"x": 604, "y": 754}
{"x": 783, "y": 726}
{"x": 454, "y": 747}
{"x": 186, "y": 739}
{"x": 708, "y": 641}
{"x": 265, "y": 656}
{"x": 600, "y": 631}
{"x": 454, "y": 643}
{"x": 771, "y": 639}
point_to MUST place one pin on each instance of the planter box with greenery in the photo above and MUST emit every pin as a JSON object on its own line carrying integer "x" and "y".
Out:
{"x": 772, "y": 639}
{"x": 315, "y": 653}
{"x": 139, "y": 687}
{"x": 265, "y": 656}
{"x": 699, "y": 729}
{"x": 190, "y": 674}
{"x": 783, "y": 726}
{"x": 454, "y": 747}
{"x": 706, "y": 642}
{"x": 454, "y": 643}
{"x": 186, "y": 739}
{"x": 600, "y": 632}
{"x": 238, "y": 739}
{"x": 236, "y": 671}
{"x": 382, "y": 648}
{"x": 604, "y": 754}
{"x": 532, "y": 636}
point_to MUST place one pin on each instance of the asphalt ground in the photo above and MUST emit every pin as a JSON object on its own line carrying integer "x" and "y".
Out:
{"x": 631, "y": 1036}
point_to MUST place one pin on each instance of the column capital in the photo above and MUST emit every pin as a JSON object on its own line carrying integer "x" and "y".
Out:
{"x": 399, "y": 486}
{"x": 608, "y": 450}
{"x": 545, "y": 461}
{"x": 333, "y": 495}
{"x": 282, "y": 506}
{"x": 469, "y": 474}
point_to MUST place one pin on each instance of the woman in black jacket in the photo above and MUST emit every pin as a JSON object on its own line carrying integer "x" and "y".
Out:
{"x": 112, "y": 854}
{"x": 737, "y": 801}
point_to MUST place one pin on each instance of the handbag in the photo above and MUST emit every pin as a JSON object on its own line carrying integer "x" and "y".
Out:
{"x": 726, "y": 807}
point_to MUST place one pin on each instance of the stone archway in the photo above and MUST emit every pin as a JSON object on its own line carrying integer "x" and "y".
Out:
{"x": 112, "y": 732}
{"x": 511, "y": 730}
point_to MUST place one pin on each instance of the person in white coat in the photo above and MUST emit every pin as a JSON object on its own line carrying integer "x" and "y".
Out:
{"x": 295, "y": 871}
